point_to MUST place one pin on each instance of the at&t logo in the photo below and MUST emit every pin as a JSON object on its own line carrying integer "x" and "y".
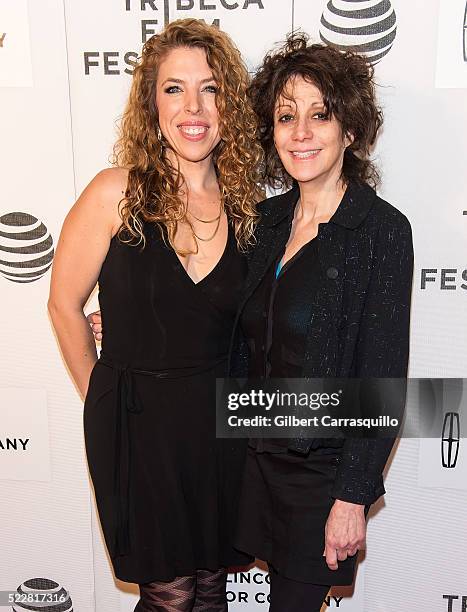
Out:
{"x": 367, "y": 27}
{"x": 40, "y": 594}
{"x": 26, "y": 247}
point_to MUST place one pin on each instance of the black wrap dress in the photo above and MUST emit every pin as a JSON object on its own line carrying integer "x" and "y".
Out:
{"x": 166, "y": 488}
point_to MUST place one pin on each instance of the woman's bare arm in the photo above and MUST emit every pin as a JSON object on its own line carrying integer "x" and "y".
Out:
{"x": 81, "y": 250}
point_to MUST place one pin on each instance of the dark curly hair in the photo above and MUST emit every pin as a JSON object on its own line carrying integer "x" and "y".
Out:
{"x": 345, "y": 80}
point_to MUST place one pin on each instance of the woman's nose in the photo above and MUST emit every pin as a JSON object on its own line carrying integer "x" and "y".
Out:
{"x": 302, "y": 130}
{"x": 193, "y": 104}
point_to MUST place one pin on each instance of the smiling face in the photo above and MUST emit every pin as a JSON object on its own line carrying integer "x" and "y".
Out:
{"x": 186, "y": 102}
{"x": 309, "y": 142}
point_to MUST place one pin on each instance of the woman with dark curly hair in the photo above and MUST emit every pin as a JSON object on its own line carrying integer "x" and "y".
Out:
{"x": 162, "y": 232}
{"x": 327, "y": 295}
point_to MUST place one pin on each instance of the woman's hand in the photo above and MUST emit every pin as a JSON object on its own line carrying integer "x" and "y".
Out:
{"x": 95, "y": 321}
{"x": 345, "y": 532}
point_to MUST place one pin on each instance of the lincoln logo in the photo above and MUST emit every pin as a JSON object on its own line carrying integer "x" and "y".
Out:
{"x": 370, "y": 29}
{"x": 450, "y": 439}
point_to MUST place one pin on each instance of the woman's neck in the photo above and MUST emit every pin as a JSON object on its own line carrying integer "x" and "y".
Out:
{"x": 319, "y": 199}
{"x": 199, "y": 177}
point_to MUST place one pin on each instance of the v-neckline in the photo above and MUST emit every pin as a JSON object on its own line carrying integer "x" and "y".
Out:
{"x": 216, "y": 265}
{"x": 291, "y": 260}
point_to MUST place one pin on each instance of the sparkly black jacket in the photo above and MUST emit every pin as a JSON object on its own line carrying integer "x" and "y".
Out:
{"x": 359, "y": 317}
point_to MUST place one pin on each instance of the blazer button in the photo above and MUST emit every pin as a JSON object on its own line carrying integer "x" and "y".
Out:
{"x": 332, "y": 273}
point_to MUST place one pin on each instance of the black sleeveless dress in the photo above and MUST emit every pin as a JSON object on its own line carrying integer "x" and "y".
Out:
{"x": 166, "y": 488}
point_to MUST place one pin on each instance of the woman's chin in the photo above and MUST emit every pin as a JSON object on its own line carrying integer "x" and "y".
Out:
{"x": 194, "y": 152}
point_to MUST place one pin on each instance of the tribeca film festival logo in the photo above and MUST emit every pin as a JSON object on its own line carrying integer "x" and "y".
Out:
{"x": 370, "y": 30}
{"x": 113, "y": 63}
{"x": 456, "y": 603}
{"x": 26, "y": 247}
{"x": 444, "y": 279}
{"x": 36, "y": 595}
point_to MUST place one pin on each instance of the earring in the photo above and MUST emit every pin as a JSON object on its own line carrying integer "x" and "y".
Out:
{"x": 159, "y": 134}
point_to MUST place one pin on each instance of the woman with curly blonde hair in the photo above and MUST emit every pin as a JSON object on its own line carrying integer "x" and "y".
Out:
{"x": 163, "y": 233}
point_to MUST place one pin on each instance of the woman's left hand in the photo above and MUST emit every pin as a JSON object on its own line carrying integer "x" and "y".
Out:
{"x": 345, "y": 532}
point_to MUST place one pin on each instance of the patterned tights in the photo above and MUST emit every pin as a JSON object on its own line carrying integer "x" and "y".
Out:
{"x": 203, "y": 592}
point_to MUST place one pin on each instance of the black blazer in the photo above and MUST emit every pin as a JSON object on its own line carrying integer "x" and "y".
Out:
{"x": 359, "y": 317}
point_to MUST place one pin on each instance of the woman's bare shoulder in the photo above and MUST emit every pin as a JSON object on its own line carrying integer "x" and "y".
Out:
{"x": 102, "y": 197}
{"x": 111, "y": 182}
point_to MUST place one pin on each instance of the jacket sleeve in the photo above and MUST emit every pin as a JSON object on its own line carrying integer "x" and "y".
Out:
{"x": 382, "y": 351}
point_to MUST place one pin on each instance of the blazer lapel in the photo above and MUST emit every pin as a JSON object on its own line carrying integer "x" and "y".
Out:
{"x": 272, "y": 237}
{"x": 275, "y": 238}
{"x": 272, "y": 234}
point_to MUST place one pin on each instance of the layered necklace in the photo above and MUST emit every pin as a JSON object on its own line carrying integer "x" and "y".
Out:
{"x": 216, "y": 220}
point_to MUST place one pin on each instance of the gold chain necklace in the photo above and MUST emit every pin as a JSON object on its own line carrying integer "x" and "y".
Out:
{"x": 206, "y": 220}
{"x": 213, "y": 234}
{"x": 218, "y": 219}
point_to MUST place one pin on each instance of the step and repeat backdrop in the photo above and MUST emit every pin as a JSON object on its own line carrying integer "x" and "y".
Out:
{"x": 65, "y": 70}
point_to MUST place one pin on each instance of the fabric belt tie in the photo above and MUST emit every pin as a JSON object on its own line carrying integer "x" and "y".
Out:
{"x": 127, "y": 401}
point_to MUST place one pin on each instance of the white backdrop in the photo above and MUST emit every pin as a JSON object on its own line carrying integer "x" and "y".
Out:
{"x": 64, "y": 74}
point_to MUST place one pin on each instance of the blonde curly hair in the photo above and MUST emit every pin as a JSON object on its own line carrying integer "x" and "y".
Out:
{"x": 153, "y": 189}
